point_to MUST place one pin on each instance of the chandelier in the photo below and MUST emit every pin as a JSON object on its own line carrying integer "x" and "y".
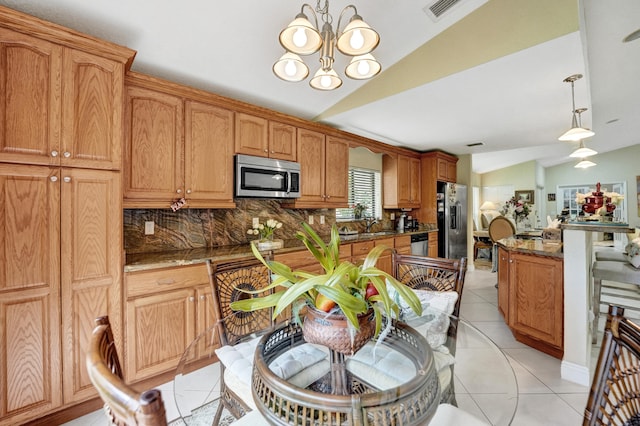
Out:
{"x": 301, "y": 37}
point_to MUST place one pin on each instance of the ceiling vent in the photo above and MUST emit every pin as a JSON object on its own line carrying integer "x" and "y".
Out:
{"x": 439, "y": 7}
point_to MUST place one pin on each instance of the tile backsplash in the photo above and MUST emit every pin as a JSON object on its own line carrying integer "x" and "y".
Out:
{"x": 197, "y": 228}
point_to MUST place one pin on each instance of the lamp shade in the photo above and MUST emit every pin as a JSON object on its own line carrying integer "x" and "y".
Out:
{"x": 300, "y": 36}
{"x": 290, "y": 67}
{"x": 488, "y": 205}
{"x": 584, "y": 164}
{"x": 363, "y": 67}
{"x": 358, "y": 38}
{"x": 582, "y": 152}
{"x": 325, "y": 80}
{"x": 575, "y": 134}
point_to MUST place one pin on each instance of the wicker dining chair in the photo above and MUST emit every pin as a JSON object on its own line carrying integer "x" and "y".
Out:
{"x": 227, "y": 279}
{"x": 439, "y": 275}
{"x": 614, "y": 398}
{"x": 124, "y": 406}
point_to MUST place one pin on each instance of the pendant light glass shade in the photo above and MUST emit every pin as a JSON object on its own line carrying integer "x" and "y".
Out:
{"x": 325, "y": 80}
{"x": 582, "y": 151}
{"x": 290, "y": 67}
{"x": 363, "y": 67}
{"x": 584, "y": 164}
{"x": 300, "y": 36}
{"x": 358, "y": 38}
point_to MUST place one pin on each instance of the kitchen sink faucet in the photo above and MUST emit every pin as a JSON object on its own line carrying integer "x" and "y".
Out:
{"x": 369, "y": 222}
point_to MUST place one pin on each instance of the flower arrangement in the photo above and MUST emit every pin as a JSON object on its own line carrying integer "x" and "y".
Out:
{"x": 343, "y": 287}
{"x": 614, "y": 196}
{"x": 358, "y": 209}
{"x": 518, "y": 209}
{"x": 265, "y": 231}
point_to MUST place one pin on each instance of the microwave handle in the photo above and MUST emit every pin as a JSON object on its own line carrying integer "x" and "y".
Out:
{"x": 288, "y": 182}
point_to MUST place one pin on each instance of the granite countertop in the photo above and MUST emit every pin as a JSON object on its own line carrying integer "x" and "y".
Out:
{"x": 532, "y": 246}
{"x": 598, "y": 227}
{"x": 148, "y": 261}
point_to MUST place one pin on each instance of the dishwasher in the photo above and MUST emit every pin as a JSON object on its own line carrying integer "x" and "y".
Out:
{"x": 419, "y": 243}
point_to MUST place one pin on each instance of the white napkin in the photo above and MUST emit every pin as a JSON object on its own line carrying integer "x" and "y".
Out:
{"x": 555, "y": 223}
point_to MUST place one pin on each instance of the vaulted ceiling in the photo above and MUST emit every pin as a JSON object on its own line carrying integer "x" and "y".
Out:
{"x": 487, "y": 71}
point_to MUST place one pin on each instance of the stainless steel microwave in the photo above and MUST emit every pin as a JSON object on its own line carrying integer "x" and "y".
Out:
{"x": 258, "y": 177}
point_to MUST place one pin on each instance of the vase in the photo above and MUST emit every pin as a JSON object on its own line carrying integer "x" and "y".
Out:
{"x": 357, "y": 215}
{"x": 333, "y": 331}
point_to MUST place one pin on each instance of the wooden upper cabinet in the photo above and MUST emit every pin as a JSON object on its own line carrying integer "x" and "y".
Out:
{"x": 447, "y": 169}
{"x": 30, "y": 99}
{"x": 92, "y": 104}
{"x": 208, "y": 155}
{"x": 282, "y": 141}
{"x": 59, "y": 106}
{"x": 324, "y": 170}
{"x": 264, "y": 138}
{"x": 154, "y": 146}
{"x": 401, "y": 181}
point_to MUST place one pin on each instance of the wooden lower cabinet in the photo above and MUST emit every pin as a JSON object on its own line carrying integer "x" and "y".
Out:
{"x": 403, "y": 244}
{"x": 432, "y": 245}
{"x": 534, "y": 292}
{"x": 165, "y": 310}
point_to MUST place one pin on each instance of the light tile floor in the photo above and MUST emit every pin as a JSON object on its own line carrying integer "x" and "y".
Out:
{"x": 544, "y": 398}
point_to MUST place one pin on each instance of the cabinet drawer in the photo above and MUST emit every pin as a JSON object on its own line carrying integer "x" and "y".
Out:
{"x": 389, "y": 242}
{"x": 144, "y": 283}
{"x": 362, "y": 248}
{"x": 296, "y": 259}
{"x": 344, "y": 251}
{"x": 404, "y": 241}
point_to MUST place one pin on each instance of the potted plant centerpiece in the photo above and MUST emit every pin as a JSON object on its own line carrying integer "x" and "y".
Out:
{"x": 344, "y": 306}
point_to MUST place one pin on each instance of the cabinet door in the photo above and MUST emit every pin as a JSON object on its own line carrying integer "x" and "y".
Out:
{"x": 414, "y": 182}
{"x": 251, "y": 135}
{"x": 385, "y": 261}
{"x": 158, "y": 330}
{"x": 154, "y": 147}
{"x": 443, "y": 172}
{"x": 503, "y": 283}
{"x": 535, "y": 297}
{"x": 337, "y": 172}
{"x": 208, "y": 155}
{"x": 282, "y": 141}
{"x": 91, "y": 111}
{"x": 30, "y": 72}
{"x": 311, "y": 155}
{"x": 91, "y": 265}
{"x": 29, "y": 291}
{"x": 404, "y": 181}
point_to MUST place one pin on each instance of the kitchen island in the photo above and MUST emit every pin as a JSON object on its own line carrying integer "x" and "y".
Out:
{"x": 530, "y": 292}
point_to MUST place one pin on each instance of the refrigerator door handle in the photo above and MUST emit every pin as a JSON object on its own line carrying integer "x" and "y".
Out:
{"x": 453, "y": 217}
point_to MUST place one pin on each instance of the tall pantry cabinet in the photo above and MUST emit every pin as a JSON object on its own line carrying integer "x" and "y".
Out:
{"x": 61, "y": 97}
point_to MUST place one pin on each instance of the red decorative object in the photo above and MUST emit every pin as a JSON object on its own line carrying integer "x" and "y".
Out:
{"x": 596, "y": 201}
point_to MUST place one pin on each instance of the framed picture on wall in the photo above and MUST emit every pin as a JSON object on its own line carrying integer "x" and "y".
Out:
{"x": 551, "y": 197}
{"x": 525, "y": 196}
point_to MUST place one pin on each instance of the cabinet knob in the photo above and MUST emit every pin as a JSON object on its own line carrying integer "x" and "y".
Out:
{"x": 192, "y": 299}
{"x": 179, "y": 191}
{"x": 53, "y": 178}
{"x": 67, "y": 179}
{"x": 202, "y": 297}
{"x": 188, "y": 191}
{"x": 273, "y": 152}
{"x": 54, "y": 153}
{"x": 67, "y": 154}
{"x": 266, "y": 150}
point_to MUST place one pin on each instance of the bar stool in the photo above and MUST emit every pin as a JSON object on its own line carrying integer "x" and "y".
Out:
{"x": 621, "y": 272}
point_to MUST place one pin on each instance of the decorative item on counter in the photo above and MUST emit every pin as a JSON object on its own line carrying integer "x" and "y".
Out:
{"x": 177, "y": 204}
{"x": 552, "y": 232}
{"x": 633, "y": 252}
{"x": 358, "y": 209}
{"x": 599, "y": 204}
{"x": 265, "y": 231}
{"x": 342, "y": 289}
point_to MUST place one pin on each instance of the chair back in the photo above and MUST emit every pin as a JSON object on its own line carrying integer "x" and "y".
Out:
{"x": 614, "y": 398}
{"x": 227, "y": 280}
{"x": 124, "y": 406}
{"x": 428, "y": 273}
{"x": 501, "y": 227}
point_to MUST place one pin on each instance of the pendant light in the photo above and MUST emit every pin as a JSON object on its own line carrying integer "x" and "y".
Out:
{"x": 301, "y": 37}
{"x": 575, "y": 133}
{"x": 584, "y": 164}
{"x": 582, "y": 151}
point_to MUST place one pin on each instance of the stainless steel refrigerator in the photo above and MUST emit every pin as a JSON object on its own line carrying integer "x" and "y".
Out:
{"x": 452, "y": 220}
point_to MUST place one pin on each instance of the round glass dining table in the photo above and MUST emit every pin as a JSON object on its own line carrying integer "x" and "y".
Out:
{"x": 485, "y": 384}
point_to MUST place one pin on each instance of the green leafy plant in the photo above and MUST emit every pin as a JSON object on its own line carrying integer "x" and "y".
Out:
{"x": 344, "y": 286}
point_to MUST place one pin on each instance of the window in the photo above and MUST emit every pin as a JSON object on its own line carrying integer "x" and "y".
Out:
{"x": 364, "y": 188}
